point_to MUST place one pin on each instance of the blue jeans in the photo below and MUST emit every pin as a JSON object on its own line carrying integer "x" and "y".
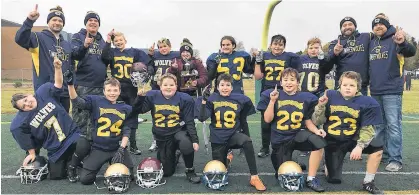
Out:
{"x": 391, "y": 129}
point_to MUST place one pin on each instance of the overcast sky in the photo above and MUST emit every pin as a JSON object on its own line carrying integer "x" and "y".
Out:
{"x": 205, "y": 22}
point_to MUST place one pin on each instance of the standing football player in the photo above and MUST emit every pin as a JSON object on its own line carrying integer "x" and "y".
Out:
{"x": 348, "y": 117}
{"x": 43, "y": 121}
{"x": 268, "y": 68}
{"x": 227, "y": 111}
{"x": 121, "y": 59}
{"x": 287, "y": 111}
{"x": 173, "y": 125}
{"x": 111, "y": 126}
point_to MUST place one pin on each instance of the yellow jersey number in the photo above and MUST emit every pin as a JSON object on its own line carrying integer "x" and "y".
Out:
{"x": 312, "y": 80}
{"x": 269, "y": 70}
{"x": 239, "y": 61}
{"x": 172, "y": 122}
{"x": 229, "y": 119}
{"x": 105, "y": 123}
{"x": 53, "y": 122}
{"x": 123, "y": 71}
{"x": 296, "y": 118}
{"x": 337, "y": 122}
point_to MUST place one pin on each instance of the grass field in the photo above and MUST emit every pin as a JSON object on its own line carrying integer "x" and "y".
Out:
{"x": 404, "y": 182}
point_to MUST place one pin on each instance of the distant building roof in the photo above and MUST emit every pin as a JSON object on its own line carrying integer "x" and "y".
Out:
{"x": 7, "y": 23}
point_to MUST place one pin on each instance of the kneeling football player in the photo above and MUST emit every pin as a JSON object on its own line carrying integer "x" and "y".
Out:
{"x": 286, "y": 110}
{"x": 110, "y": 127}
{"x": 173, "y": 125}
{"x": 348, "y": 117}
{"x": 228, "y": 111}
{"x": 42, "y": 120}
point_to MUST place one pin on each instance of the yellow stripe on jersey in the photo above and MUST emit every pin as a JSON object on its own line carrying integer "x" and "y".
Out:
{"x": 35, "y": 56}
{"x": 129, "y": 59}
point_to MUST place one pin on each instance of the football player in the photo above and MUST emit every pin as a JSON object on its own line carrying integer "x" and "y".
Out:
{"x": 228, "y": 111}
{"x": 111, "y": 122}
{"x": 232, "y": 62}
{"x": 173, "y": 125}
{"x": 268, "y": 68}
{"x": 348, "y": 118}
{"x": 121, "y": 59}
{"x": 42, "y": 120}
{"x": 287, "y": 111}
{"x": 313, "y": 69}
{"x": 162, "y": 62}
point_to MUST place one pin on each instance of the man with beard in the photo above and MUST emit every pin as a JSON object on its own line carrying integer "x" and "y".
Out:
{"x": 350, "y": 52}
{"x": 388, "y": 48}
{"x": 91, "y": 73}
{"x": 47, "y": 44}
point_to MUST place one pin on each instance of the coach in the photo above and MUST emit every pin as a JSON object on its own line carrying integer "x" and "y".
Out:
{"x": 350, "y": 52}
{"x": 91, "y": 70}
{"x": 387, "y": 51}
{"x": 47, "y": 44}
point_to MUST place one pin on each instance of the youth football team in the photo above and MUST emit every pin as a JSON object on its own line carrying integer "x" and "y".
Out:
{"x": 298, "y": 112}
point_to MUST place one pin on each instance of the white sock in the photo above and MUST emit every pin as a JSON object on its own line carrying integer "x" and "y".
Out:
{"x": 309, "y": 178}
{"x": 369, "y": 177}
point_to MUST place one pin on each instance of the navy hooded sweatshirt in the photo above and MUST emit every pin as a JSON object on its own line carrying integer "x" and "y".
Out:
{"x": 43, "y": 46}
{"x": 354, "y": 56}
{"x": 386, "y": 63}
{"x": 91, "y": 70}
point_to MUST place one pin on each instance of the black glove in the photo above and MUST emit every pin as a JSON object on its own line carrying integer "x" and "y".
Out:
{"x": 68, "y": 76}
{"x": 118, "y": 156}
{"x": 206, "y": 93}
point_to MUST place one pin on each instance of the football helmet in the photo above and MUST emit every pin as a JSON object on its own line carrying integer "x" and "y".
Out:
{"x": 290, "y": 176}
{"x": 150, "y": 173}
{"x": 34, "y": 171}
{"x": 215, "y": 175}
{"x": 117, "y": 178}
{"x": 139, "y": 74}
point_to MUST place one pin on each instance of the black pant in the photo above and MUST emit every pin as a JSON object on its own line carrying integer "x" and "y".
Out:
{"x": 128, "y": 95}
{"x": 82, "y": 117}
{"x": 238, "y": 140}
{"x": 96, "y": 159}
{"x": 303, "y": 141}
{"x": 166, "y": 152}
{"x": 335, "y": 152}
{"x": 83, "y": 149}
{"x": 265, "y": 132}
{"x": 58, "y": 169}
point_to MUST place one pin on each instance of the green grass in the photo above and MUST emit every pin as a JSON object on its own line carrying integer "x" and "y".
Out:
{"x": 12, "y": 156}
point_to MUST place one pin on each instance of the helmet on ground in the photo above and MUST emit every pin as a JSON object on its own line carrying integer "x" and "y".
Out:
{"x": 117, "y": 178}
{"x": 215, "y": 175}
{"x": 150, "y": 173}
{"x": 34, "y": 171}
{"x": 290, "y": 176}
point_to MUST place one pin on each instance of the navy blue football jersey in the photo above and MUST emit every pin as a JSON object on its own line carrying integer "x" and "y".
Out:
{"x": 290, "y": 111}
{"x": 162, "y": 63}
{"x": 346, "y": 117}
{"x": 313, "y": 74}
{"x": 48, "y": 124}
{"x": 169, "y": 116}
{"x": 235, "y": 64}
{"x": 123, "y": 60}
{"x": 225, "y": 113}
{"x": 272, "y": 67}
{"x": 108, "y": 120}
